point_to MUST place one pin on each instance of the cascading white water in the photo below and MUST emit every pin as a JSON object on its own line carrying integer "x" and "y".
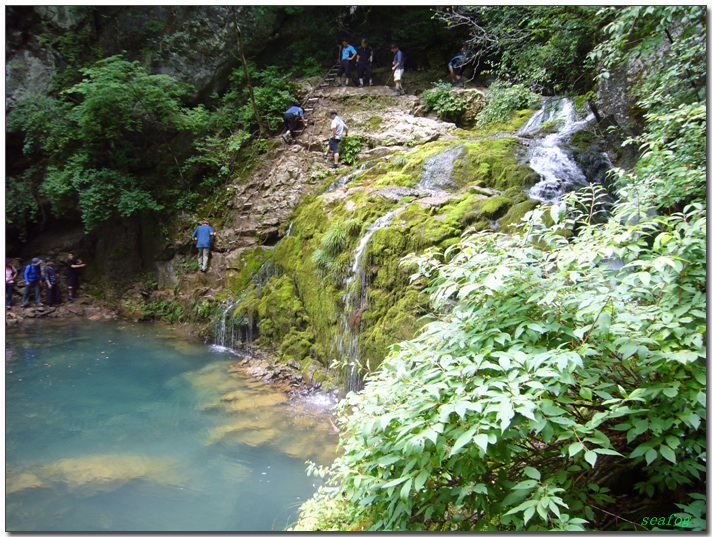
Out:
{"x": 558, "y": 170}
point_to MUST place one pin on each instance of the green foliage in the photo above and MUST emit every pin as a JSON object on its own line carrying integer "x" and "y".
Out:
{"x": 170, "y": 312}
{"x": 202, "y": 310}
{"x": 541, "y": 47}
{"x": 274, "y": 94}
{"x": 673, "y": 95}
{"x": 563, "y": 373}
{"x": 448, "y": 105}
{"x": 109, "y": 129}
{"x": 20, "y": 205}
{"x": 349, "y": 148}
{"x": 546, "y": 367}
{"x": 503, "y": 99}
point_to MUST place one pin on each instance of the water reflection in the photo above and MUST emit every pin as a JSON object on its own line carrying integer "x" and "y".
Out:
{"x": 117, "y": 427}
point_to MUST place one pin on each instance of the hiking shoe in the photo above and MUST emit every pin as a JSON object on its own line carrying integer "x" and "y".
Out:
{"x": 370, "y": 83}
{"x": 334, "y": 165}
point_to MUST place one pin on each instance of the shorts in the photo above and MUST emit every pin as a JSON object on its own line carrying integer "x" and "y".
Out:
{"x": 334, "y": 145}
{"x": 397, "y": 74}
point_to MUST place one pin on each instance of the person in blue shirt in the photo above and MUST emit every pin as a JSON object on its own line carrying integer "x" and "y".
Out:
{"x": 202, "y": 236}
{"x": 455, "y": 68}
{"x": 397, "y": 69}
{"x": 33, "y": 277}
{"x": 290, "y": 121}
{"x": 348, "y": 53}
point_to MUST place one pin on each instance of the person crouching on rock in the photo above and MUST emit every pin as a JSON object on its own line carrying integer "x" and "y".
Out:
{"x": 290, "y": 121}
{"x": 202, "y": 236}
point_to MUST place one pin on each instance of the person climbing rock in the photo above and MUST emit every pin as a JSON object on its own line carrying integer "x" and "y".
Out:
{"x": 72, "y": 274}
{"x": 364, "y": 59}
{"x": 397, "y": 69}
{"x": 455, "y": 68}
{"x": 348, "y": 53}
{"x": 33, "y": 276}
{"x": 54, "y": 296}
{"x": 202, "y": 236}
{"x": 10, "y": 275}
{"x": 290, "y": 121}
{"x": 338, "y": 131}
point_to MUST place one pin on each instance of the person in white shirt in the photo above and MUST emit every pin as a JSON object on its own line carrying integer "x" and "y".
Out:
{"x": 338, "y": 131}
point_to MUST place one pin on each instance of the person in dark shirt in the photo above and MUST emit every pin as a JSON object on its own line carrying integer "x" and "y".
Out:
{"x": 72, "y": 274}
{"x": 54, "y": 296}
{"x": 364, "y": 61}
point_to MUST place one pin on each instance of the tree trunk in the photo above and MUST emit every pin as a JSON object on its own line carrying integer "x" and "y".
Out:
{"x": 263, "y": 132}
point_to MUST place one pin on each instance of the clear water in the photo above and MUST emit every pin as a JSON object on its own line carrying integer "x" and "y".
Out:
{"x": 126, "y": 427}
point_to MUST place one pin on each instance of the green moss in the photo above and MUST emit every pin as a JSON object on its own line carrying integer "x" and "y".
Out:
{"x": 515, "y": 214}
{"x": 495, "y": 164}
{"x": 239, "y": 275}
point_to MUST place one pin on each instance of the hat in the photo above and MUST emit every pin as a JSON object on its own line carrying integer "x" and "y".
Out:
{"x": 36, "y": 261}
{"x": 333, "y": 113}
{"x": 47, "y": 260}
{"x": 206, "y": 222}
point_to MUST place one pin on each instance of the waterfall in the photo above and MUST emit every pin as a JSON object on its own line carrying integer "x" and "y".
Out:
{"x": 356, "y": 301}
{"x": 224, "y": 331}
{"x": 558, "y": 170}
{"x": 436, "y": 177}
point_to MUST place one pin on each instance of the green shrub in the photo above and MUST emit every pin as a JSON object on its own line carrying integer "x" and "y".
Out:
{"x": 334, "y": 240}
{"x": 502, "y": 100}
{"x": 349, "y": 149}
{"x": 448, "y": 105}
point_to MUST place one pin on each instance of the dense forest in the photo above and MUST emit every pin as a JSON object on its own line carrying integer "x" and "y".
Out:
{"x": 558, "y": 379}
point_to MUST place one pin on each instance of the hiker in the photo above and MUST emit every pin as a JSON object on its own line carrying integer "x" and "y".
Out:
{"x": 363, "y": 63}
{"x": 290, "y": 121}
{"x": 397, "y": 68}
{"x": 455, "y": 68}
{"x": 348, "y": 53}
{"x": 10, "y": 274}
{"x": 72, "y": 274}
{"x": 32, "y": 275}
{"x": 338, "y": 131}
{"x": 54, "y": 296}
{"x": 202, "y": 236}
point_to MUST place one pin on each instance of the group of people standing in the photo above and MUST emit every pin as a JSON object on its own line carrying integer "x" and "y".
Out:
{"x": 363, "y": 57}
{"x": 36, "y": 277}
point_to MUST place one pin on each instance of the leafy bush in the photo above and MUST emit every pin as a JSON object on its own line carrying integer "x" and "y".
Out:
{"x": 562, "y": 379}
{"x": 448, "y": 105}
{"x": 548, "y": 379}
{"x": 349, "y": 148}
{"x": 502, "y": 100}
